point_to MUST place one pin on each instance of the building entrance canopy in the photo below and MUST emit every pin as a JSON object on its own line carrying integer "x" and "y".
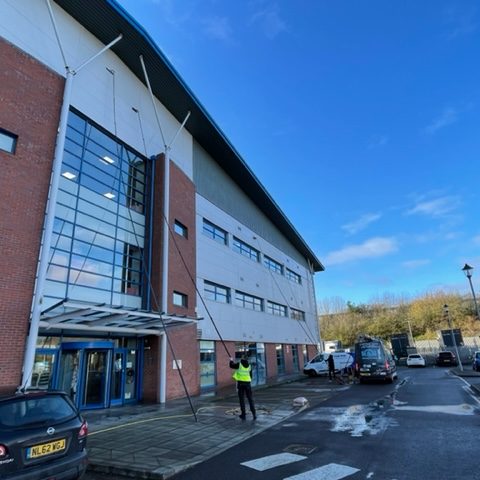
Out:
{"x": 89, "y": 317}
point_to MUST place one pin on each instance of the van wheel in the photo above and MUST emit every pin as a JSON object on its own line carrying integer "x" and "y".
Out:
{"x": 312, "y": 373}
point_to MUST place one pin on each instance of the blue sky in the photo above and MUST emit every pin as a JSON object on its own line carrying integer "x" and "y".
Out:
{"x": 361, "y": 118}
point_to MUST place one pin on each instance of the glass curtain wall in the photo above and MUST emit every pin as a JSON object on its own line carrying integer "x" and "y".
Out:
{"x": 99, "y": 230}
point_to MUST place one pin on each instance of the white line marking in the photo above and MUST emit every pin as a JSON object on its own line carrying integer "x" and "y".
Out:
{"x": 332, "y": 471}
{"x": 273, "y": 461}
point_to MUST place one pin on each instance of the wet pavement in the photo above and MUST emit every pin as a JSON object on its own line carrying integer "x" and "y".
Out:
{"x": 159, "y": 441}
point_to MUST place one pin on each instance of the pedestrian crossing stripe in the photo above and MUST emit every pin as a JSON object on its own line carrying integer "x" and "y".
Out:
{"x": 332, "y": 471}
{"x": 272, "y": 461}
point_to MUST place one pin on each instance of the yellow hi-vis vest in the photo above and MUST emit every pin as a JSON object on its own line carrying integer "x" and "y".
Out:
{"x": 242, "y": 374}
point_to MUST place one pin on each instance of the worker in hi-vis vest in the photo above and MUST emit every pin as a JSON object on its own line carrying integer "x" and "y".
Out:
{"x": 243, "y": 375}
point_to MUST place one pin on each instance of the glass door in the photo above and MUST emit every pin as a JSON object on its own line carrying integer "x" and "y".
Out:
{"x": 117, "y": 382}
{"x": 96, "y": 373}
{"x": 68, "y": 378}
{"x": 131, "y": 375}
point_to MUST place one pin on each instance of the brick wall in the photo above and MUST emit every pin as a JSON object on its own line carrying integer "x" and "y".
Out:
{"x": 223, "y": 370}
{"x": 182, "y": 251}
{"x": 30, "y": 102}
{"x": 182, "y": 256}
{"x": 185, "y": 345}
{"x": 271, "y": 357}
{"x": 287, "y": 353}
{"x": 151, "y": 369}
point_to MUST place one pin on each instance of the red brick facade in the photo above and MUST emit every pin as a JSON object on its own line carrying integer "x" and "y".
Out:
{"x": 182, "y": 269}
{"x": 30, "y": 99}
{"x": 181, "y": 258}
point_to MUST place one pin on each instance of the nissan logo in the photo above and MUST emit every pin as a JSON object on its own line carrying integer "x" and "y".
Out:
{"x": 51, "y": 431}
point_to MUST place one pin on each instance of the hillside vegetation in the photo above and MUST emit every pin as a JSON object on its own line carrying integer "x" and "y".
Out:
{"x": 424, "y": 315}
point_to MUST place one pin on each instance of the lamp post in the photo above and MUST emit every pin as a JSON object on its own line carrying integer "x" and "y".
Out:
{"x": 467, "y": 269}
{"x": 447, "y": 315}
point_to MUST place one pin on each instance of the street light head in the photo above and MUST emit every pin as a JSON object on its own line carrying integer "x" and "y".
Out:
{"x": 467, "y": 269}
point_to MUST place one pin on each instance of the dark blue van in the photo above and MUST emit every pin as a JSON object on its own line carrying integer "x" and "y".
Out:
{"x": 373, "y": 360}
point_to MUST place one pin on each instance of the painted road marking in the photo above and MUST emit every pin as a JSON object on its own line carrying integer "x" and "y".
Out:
{"x": 272, "y": 461}
{"x": 332, "y": 471}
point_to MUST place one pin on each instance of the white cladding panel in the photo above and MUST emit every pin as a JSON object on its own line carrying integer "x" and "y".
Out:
{"x": 222, "y": 265}
{"x": 29, "y": 28}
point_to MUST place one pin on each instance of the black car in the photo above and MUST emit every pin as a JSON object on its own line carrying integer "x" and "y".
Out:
{"x": 446, "y": 358}
{"x": 42, "y": 436}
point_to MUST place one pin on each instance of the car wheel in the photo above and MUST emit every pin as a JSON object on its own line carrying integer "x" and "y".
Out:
{"x": 312, "y": 373}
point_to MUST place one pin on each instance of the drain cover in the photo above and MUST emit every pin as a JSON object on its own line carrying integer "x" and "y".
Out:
{"x": 300, "y": 449}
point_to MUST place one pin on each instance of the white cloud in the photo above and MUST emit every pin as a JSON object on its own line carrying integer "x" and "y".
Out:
{"x": 218, "y": 28}
{"x": 412, "y": 264}
{"x": 361, "y": 223}
{"x": 270, "y": 21}
{"x": 374, "y": 247}
{"x": 476, "y": 240}
{"x": 447, "y": 117}
{"x": 435, "y": 208}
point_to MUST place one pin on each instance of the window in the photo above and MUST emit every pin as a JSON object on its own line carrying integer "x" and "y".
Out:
{"x": 255, "y": 352}
{"x": 103, "y": 164}
{"x": 180, "y": 299}
{"x": 132, "y": 270}
{"x": 297, "y": 314}
{"x": 248, "y": 301}
{"x": 276, "y": 309}
{"x": 180, "y": 229}
{"x": 295, "y": 359}
{"x": 245, "y": 249}
{"x": 273, "y": 265}
{"x": 214, "y": 232}
{"x": 306, "y": 357}
{"x": 207, "y": 364}
{"x": 294, "y": 277}
{"x": 280, "y": 359}
{"x": 217, "y": 293}
{"x": 8, "y": 141}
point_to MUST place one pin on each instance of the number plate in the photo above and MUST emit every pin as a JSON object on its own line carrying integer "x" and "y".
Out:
{"x": 363, "y": 374}
{"x": 46, "y": 449}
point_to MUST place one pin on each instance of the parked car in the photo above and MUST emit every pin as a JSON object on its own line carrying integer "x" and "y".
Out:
{"x": 446, "y": 358}
{"x": 415, "y": 360}
{"x": 476, "y": 361}
{"x": 42, "y": 436}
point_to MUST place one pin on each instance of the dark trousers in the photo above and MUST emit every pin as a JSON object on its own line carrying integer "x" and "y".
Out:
{"x": 331, "y": 372}
{"x": 245, "y": 388}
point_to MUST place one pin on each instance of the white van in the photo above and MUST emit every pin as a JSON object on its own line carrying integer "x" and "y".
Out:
{"x": 319, "y": 365}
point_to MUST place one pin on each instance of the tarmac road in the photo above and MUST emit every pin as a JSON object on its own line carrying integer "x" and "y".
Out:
{"x": 419, "y": 428}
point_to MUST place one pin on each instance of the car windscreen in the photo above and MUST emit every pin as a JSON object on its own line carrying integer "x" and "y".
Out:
{"x": 415, "y": 356}
{"x": 25, "y": 411}
{"x": 371, "y": 351}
